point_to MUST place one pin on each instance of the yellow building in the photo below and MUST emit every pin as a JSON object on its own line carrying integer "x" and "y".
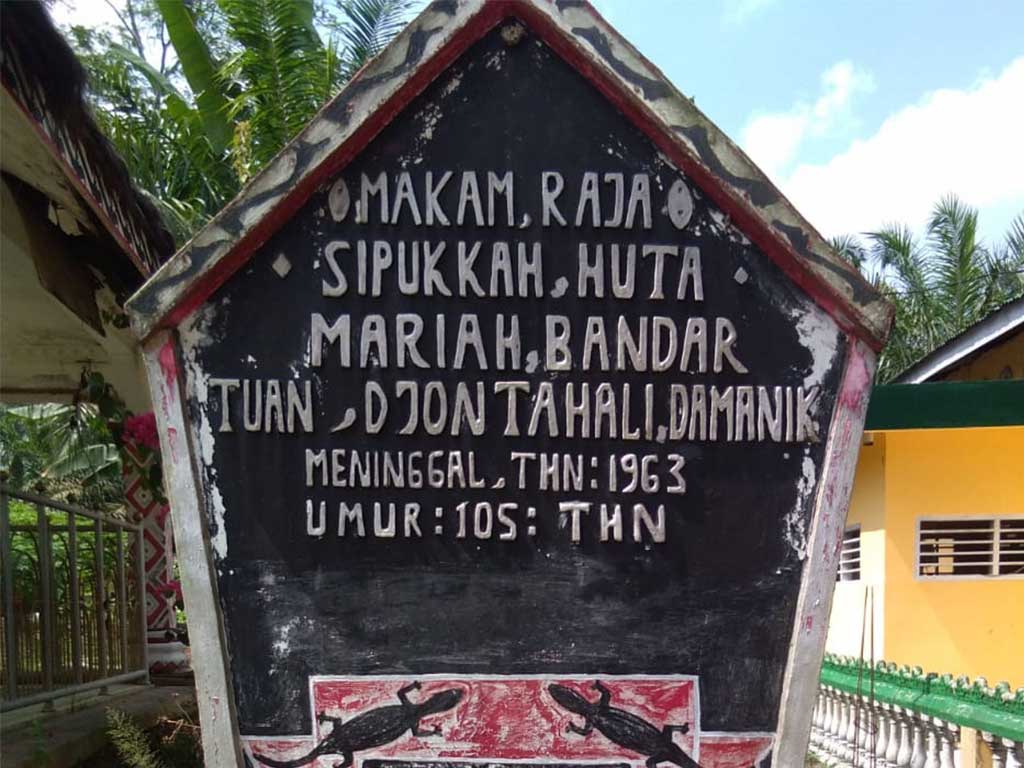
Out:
{"x": 935, "y": 531}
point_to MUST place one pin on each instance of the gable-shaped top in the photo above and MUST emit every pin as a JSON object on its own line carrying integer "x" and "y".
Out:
{"x": 509, "y": 335}
{"x": 429, "y": 44}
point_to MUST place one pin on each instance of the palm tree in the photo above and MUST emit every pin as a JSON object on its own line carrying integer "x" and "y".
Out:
{"x": 63, "y": 450}
{"x": 228, "y": 85}
{"x": 941, "y": 284}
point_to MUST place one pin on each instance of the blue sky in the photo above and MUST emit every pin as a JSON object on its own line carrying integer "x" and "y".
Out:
{"x": 862, "y": 112}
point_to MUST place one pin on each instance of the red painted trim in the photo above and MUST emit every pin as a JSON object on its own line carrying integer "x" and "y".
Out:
{"x": 72, "y": 175}
{"x": 855, "y": 389}
{"x": 765, "y": 238}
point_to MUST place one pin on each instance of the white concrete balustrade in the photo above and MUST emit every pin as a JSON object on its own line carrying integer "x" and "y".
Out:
{"x": 851, "y": 731}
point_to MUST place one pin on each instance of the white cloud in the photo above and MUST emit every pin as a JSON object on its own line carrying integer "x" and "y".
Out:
{"x": 607, "y": 9}
{"x": 774, "y": 139}
{"x": 968, "y": 141}
{"x": 738, "y": 11}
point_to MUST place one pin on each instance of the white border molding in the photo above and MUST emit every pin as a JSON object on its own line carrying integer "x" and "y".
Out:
{"x": 215, "y": 695}
{"x": 828, "y": 521}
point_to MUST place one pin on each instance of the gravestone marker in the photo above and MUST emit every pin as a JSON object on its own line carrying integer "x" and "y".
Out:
{"x": 510, "y": 416}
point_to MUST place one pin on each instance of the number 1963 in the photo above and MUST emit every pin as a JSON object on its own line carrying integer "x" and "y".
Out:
{"x": 630, "y": 473}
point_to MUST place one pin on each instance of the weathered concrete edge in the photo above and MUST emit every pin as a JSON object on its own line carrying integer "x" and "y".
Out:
{"x": 214, "y": 693}
{"x": 828, "y": 521}
{"x": 365, "y": 106}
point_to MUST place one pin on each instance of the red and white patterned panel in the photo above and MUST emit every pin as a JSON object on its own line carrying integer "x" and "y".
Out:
{"x": 514, "y": 719}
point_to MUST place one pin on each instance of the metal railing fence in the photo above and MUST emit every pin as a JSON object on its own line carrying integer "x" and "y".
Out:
{"x": 72, "y": 591}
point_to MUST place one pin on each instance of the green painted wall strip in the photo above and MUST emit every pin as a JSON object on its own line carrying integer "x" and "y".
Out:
{"x": 946, "y": 404}
{"x": 974, "y": 705}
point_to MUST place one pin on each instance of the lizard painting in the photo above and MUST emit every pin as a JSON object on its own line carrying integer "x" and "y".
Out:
{"x": 623, "y": 728}
{"x": 374, "y": 728}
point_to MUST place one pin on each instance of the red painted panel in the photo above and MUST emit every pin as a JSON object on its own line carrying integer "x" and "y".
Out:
{"x": 515, "y": 719}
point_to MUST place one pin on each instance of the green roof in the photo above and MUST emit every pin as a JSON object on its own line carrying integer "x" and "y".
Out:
{"x": 946, "y": 404}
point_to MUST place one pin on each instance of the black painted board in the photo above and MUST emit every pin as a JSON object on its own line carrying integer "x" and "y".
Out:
{"x": 715, "y": 599}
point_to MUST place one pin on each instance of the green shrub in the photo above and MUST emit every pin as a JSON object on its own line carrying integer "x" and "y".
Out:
{"x": 172, "y": 744}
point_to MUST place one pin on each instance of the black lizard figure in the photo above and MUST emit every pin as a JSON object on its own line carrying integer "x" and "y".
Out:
{"x": 374, "y": 728}
{"x": 625, "y": 729}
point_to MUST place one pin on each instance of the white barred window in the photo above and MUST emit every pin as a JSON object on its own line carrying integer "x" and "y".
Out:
{"x": 970, "y": 547}
{"x": 849, "y": 555}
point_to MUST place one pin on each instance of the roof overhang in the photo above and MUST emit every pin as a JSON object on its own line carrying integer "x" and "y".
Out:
{"x": 69, "y": 159}
{"x": 946, "y": 405}
{"x": 424, "y": 49}
{"x": 996, "y": 326}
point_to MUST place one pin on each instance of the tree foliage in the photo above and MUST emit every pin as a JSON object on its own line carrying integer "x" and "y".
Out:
{"x": 197, "y": 96}
{"x": 940, "y": 284}
{"x": 63, "y": 451}
{"x": 75, "y": 452}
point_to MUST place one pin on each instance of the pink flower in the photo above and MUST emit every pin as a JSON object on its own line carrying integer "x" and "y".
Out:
{"x": 141, "y": 430}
